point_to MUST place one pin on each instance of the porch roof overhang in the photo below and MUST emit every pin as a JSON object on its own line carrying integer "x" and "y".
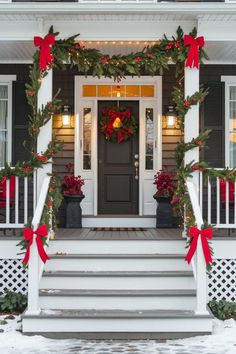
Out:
{"x": 118, "y": 22}
{"x": 11, "y": 52}
{"x": 119, "y": 7}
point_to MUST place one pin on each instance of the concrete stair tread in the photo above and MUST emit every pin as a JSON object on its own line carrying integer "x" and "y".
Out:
{"x": 180, "y": 273}
{"x": 110, "y": 255}
{"x": 95, "y": 292}
{"x": 118, "y": 314}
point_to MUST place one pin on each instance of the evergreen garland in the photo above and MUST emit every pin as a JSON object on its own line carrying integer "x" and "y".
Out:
{"x": 151, "y": 60}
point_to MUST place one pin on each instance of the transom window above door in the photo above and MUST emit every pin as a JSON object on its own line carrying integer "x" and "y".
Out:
{"x": 118, "y": 91}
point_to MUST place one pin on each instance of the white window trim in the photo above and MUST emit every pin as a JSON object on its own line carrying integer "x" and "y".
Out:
{"x": 7, "y": 80}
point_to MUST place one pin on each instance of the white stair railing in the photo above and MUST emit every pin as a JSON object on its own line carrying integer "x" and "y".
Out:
{"x": 35, "y": 264}
{"x": 18, "y": 207}
{"x": 218, "y": 207}
{"x": 200, "y": 271}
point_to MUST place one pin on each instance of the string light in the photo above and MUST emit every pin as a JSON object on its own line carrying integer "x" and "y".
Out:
{"x": 121, "y": 43}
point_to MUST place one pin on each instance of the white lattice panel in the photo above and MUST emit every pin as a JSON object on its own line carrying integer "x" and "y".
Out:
{"x": 13, "y": 276}
{"x": 222, "y": 280}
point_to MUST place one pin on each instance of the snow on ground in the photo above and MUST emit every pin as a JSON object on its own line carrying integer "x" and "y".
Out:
{"x": 223, "y": 339}
{"x": 12, "y": 341}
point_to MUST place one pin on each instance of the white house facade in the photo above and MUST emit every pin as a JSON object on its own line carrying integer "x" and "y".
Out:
{"x": 119, "y": 276}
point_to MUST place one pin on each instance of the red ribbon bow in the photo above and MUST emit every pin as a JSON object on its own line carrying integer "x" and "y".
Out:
{"x": 204, "y": 234}
{"x": 120, "y": 136}
{"x": 29, "y": 236}
{"x": 193, "y": 54}
{"x": 45, "y": 53}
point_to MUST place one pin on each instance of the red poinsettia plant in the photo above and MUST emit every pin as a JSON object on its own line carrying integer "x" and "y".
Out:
{"x": 72, "y": 184}
{"x": 164, "y": 181}
{"x": 117, "y": 125}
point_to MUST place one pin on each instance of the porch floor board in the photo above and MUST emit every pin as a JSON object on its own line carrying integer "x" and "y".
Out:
{"x": 146, "y": 234}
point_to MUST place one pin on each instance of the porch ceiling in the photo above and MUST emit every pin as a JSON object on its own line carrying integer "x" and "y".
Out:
{"x": 22, "y": 51}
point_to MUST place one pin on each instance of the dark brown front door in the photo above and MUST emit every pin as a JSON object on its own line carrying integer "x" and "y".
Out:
{"x": 117, "y": 186}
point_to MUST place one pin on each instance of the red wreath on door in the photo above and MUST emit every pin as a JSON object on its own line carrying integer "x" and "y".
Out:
{"x": 117, "y": 125}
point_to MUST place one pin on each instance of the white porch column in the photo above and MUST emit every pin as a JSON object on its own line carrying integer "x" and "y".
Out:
{"x": 191, "y": 125}
{"x": 45, "y": 135}
{"x": 191, "y": 130}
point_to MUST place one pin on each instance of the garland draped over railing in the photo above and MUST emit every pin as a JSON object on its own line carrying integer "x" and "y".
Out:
{"x": 52, "y": 53}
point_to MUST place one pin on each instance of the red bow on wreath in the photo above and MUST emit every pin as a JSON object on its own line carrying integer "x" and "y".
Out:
{"x": 193, "y": 54}
{"x": 45, "y": 52}
{"x": 204, "y": 234}
{"x": 29, "y": 236}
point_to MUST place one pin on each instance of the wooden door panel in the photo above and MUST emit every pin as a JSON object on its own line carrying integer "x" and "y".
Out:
{"x": 113, "y": 192}
{"x": 117, "y": 186}
{"x": 122, "y": 153}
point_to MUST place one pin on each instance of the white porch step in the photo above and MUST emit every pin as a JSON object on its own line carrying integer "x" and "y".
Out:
{"x": 118, "y": 324}
{"x": 114, "y": 246}
{"x": 117, "y": 299}
{"x": 132, "y": 280}
{"x": 116, "y": 262}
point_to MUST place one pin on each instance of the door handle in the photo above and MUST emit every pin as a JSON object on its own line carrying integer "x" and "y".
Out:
{"x": 136, "y": 165}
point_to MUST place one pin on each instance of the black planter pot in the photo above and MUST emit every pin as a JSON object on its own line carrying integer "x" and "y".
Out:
{"x": 73, "y": 211}
{"x": 164, "y": 213}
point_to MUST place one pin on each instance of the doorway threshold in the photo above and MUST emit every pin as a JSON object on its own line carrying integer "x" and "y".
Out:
{"x": 117, "y": 216}
{"x": 119, "y": 221}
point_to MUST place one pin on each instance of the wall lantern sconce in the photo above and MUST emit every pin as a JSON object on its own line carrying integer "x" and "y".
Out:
{"x": 66, "y": 116}
{"x": 170, "y": 117}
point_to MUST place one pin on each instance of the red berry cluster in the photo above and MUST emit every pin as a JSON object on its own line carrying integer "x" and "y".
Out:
{"x": 197, "y": 167}
{"x": 174, "y": 44}
{"x": 105, "y": 60}
{"x": 42, "y": 158}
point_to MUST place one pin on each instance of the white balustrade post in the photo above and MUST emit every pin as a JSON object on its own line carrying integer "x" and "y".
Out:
{"x": 201, "y": 277}
{"x": 201, "y": 288}
{"x": 45, "y": 135}
{"x": 33, "y": 281}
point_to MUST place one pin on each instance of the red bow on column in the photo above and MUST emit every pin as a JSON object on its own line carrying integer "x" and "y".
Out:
{"x": 29, "y": 236}
{"x": 193, "y": 54}
{"x": 45, "y": 53}
{"x": 204, "y": 234}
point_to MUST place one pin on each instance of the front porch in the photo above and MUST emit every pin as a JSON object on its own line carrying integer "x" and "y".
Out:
{"x": 107, "y": 279}
{"x": 165, "y": 139}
